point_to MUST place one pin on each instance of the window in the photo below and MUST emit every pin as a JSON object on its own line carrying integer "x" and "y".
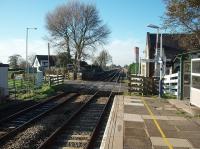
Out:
{"x": 44, "y": 63}
{"x": 196, "y": 82}
{"x": 196, "y": 66}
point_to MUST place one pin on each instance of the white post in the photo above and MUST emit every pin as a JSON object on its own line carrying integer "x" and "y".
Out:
{"x": 27, "y": 67}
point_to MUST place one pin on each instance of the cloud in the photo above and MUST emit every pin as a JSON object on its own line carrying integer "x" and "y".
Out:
{"x": 18, "y": 46}
{"x": 122, "y": 50}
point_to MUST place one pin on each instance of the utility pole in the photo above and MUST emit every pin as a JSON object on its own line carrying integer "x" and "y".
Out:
{"x": 48, "y": 55}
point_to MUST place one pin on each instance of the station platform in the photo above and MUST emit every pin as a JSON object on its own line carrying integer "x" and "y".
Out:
{"x": 147, "y": 123}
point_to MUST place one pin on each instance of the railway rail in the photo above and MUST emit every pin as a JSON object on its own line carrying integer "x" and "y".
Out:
{"x": 16, "y": 122}
{"x": 80, "y": 130}
{"x": 89, "y": 115}
{"x": 13, "y": 106}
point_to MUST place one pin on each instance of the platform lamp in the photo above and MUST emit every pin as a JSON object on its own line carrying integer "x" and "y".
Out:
{"x": 161, "y": 54}
{"x": 27, "y": 31}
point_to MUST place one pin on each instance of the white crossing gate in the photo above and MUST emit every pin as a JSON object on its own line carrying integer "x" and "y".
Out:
{"x": 171, "y": 84}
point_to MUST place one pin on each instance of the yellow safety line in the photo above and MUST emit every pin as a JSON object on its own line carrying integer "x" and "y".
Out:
{"x": 157, "y": 125}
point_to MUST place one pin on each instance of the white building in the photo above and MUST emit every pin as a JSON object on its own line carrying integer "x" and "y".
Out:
{"x": 41, "y": 61}
{"x": 4, "y": 80}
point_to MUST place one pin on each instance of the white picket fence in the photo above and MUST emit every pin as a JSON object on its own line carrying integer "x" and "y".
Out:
{"x": 171, "y": 84}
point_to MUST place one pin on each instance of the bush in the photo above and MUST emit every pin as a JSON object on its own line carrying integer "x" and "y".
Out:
{"x": 46, "y": 89}
{"x": 133, "y": 68}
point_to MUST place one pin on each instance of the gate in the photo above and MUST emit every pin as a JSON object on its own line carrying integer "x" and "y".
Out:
{"x": 143, "y": 85}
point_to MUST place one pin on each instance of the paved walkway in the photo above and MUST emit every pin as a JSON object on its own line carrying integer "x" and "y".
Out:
{"x": 146, "y": 123}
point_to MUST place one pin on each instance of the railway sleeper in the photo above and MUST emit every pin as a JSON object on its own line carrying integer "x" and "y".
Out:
{"x": 90, "y": 116}
{"x": 82, "y": 127}
{"x": 85, "y": 122}
{"x": 72, "y": 143}
{"x": 75, "y": 137}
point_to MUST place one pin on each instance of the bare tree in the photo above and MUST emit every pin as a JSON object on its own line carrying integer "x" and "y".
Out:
{"x": 103, "y": 59}
{"x": 63, "y": 59}
{"x": 183, "y": 16}
{"x": 78, "y": 27}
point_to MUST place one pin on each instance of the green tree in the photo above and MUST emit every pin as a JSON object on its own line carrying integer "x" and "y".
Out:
{"x": 14, "y": 61}
{"x": 183, "y": 16}
{"x": 133, "y": 68}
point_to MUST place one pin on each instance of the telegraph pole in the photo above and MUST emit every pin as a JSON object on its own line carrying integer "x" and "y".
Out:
{"x": 48, "y": 55}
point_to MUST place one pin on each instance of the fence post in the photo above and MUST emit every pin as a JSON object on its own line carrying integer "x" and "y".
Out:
{"x": 63, "y": 80}
{"x": 49, "y": 81}
{"x": 179, "y": 86}
{"x": 15, "y": 89}
{"x": 143, "y": 86}
{"x": 21, "y": 83}
{"x": 57, "y": 80}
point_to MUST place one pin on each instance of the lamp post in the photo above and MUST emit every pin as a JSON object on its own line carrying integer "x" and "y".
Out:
{"x": 27, "y": 30}
{"x": 160, "y": 57}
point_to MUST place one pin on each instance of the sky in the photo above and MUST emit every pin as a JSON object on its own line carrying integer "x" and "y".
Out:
{"x": 127, "y": 20}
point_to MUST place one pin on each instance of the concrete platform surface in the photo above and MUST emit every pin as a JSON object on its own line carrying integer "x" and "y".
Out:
{"x": 185, "y": 106}
{"x": 147, "y": 123}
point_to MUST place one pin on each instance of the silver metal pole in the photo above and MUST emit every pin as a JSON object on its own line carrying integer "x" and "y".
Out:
{"x": 161, "y": 66}
{"x": 156, "y": 62}
{"x": 27, "y": 50}
{"x": 27, "y": 67}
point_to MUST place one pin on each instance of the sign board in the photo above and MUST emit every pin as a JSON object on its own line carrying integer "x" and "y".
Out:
{"x": 39, "y": 78}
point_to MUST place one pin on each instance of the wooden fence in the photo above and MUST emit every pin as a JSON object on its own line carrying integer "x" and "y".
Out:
{"x": 171, "y": 84}
{"x": 143, "y": 85}
{"x": 55, "y": 79}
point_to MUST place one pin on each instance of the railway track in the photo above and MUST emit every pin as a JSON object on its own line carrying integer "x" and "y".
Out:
{"x": 37, "y": 132}
{"x": 15, "y": 123}
{"x": 80, "y": 128}
{"x": 89, "y": 115}
{"x": 14, "y": 106}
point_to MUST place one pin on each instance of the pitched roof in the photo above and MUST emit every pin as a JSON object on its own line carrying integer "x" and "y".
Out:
{"x": 173, "y": 44}
{"x": 4, "y": 65}
{"x": 52, "y": 59}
